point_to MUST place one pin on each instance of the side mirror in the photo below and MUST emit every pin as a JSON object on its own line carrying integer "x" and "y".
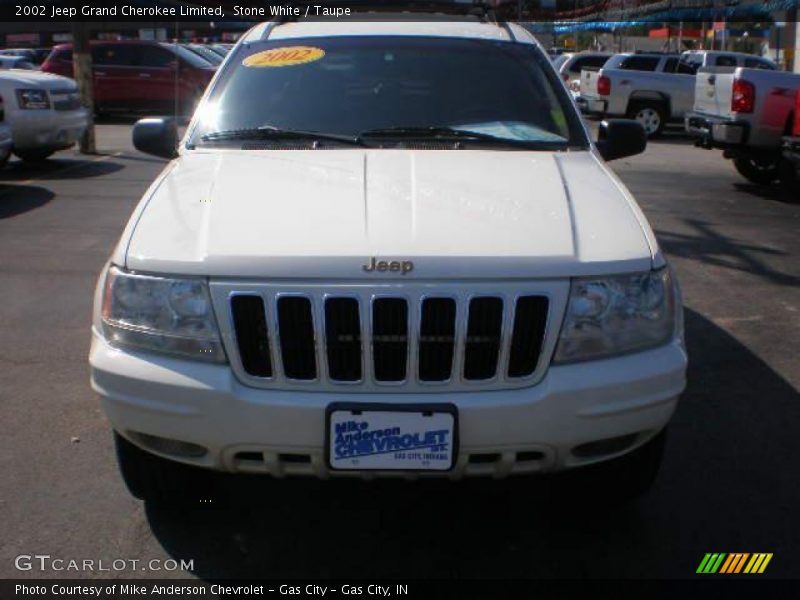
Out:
{"x": 157, "y": 136}
{"x": 618, "y": 138}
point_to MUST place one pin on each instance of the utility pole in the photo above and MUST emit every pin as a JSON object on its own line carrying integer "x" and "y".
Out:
{"x": 82, "y": 71}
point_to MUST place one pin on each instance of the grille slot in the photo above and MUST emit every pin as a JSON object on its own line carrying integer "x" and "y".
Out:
{"x": 389, "y": 339}
{"x": 530, "y": 319}
{"x": 343, "y": 339}
{"x": 250, "y": 326}
{"x": 437, "y": 339}
{"x": 484, "y": 329}
{"x": 296, "y": 329}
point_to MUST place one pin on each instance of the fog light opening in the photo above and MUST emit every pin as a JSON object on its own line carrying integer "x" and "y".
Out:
{"x": 169, "y": 446}
{"x": 605, "y": 447}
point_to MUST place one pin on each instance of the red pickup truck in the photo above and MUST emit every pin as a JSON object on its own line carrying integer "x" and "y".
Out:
{"x": 138, "y": 75}
{"x": 791, "y": 143}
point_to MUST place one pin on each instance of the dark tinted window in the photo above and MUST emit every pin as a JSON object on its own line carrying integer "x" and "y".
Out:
{"x": 349, "y": 85}
{"x": 114, "y": 55}
{"x": 726, "y": 61}
{"x": 754, "y": 63}
{"x": 24, "y": 52}
{"x": 687, "y": 68}
{"x": 670, "y": 65}
{"x": 64, "y": 54}
{"x": 155, "y": 56}
{"x": 640, "y": 63}
{"x": 587, "y": 62}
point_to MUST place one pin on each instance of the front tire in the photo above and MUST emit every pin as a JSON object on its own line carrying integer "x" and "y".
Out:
{"x": 651, "y": 116}
{"x": 34, "y": 156}
{"x": 162, "y": 482}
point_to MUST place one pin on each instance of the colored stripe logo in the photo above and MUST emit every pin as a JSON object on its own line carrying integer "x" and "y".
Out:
{"x": 734, "y": 563}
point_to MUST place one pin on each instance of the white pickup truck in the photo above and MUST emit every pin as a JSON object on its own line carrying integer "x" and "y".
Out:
{"x": 359, "y": 263}
{"x": 654, "y": 89}
{"x": 44, "y": 112}
{"x": 746, "y": 113}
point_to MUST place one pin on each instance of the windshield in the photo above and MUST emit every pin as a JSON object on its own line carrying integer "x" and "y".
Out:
{"x": 349, "y": 86}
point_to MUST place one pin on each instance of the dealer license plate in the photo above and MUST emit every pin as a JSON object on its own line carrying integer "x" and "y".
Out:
{"x": 391, "y": 438}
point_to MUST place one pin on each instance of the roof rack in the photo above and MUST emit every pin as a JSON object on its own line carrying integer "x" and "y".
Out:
{"x": 483, "y": 11}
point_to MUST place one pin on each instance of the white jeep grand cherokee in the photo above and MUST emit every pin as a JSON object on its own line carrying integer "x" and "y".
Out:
{"x": 387, "y": 249}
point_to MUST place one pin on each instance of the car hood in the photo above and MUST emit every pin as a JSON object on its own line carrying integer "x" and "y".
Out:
{"x": 36, "y": 79}
{"x": 325, "y": 214}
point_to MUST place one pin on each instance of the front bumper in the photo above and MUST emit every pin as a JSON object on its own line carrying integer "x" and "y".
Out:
{"x": 593, "y": 106}
{"x": 47, "y": 129}
{"x": 282, "y": 432}
{"x": 716, "y": 132}
{"x": 6, "y": 141}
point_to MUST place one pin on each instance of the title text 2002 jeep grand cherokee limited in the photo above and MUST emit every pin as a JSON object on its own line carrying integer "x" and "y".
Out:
{"x": 387, "y": 248}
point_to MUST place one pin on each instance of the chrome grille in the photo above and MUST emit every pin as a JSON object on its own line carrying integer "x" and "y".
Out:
{"x": 410, "y": 336}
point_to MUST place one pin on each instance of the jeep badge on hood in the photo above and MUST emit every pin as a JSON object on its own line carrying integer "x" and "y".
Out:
{"x": 395, "y": 266}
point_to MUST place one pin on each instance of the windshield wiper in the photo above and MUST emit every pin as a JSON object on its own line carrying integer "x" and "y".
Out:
{"x": 452, "y": 133}
{"x": 269, "y": 132}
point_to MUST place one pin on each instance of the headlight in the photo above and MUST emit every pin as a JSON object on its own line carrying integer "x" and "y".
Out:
{"x": 617, "y": 315}
{"x": 33, "y": 99}
{"x": 161, "y": 314}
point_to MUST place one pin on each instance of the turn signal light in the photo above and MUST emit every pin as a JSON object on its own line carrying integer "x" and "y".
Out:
{"x": 744, "y": 96}
{"x": 604, "y": 86}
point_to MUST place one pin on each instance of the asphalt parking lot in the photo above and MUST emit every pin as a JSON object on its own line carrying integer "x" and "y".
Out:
{"x": 729, "y": 481}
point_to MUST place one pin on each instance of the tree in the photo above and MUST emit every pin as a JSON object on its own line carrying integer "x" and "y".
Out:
{"x": 82, "y": 71}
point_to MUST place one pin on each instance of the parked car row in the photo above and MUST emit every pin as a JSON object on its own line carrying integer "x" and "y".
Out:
{"x": 136, "y": 75}
{"x": 41, "y": 108}
{"x": 653, "y": 88}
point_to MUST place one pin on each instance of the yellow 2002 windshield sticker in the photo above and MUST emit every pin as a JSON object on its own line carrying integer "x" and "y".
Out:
{"x": 284, "y": 57}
